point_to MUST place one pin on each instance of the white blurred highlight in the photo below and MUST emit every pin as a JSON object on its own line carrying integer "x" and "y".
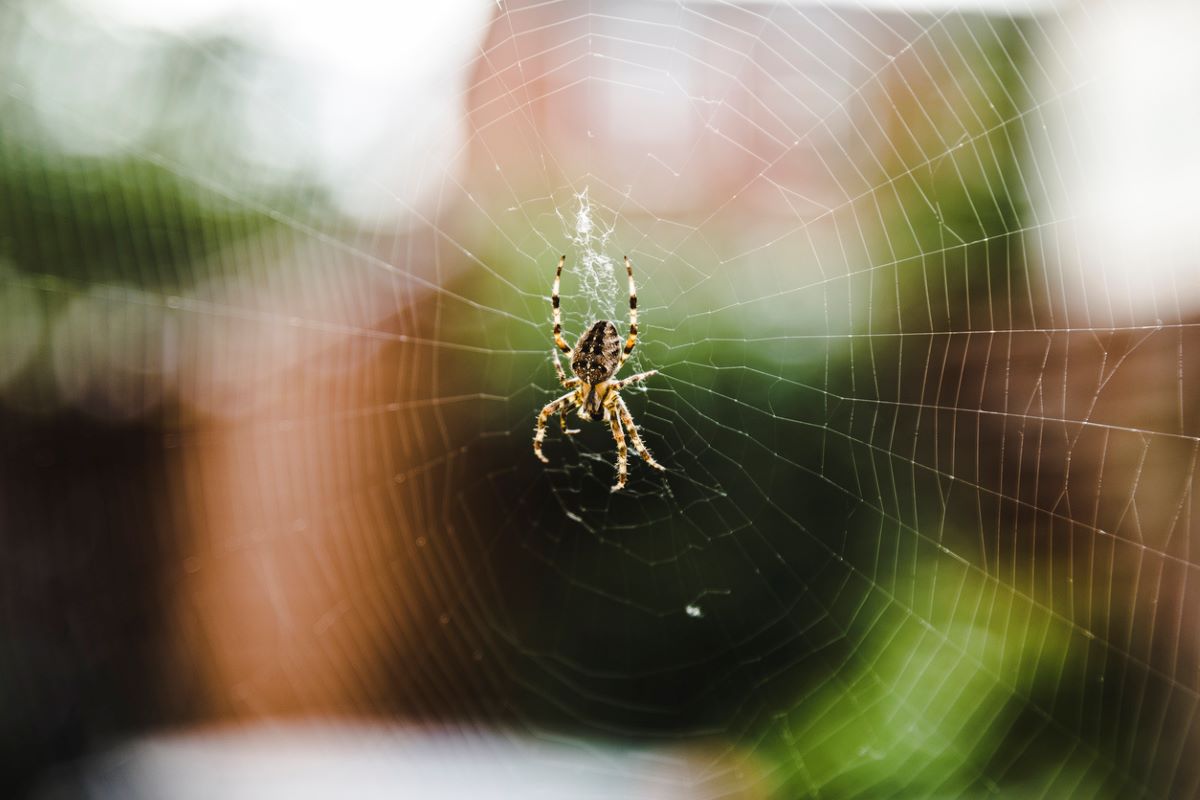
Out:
{"x": 308, "y": 762}
{"x": 367, "y": 96}
{"x": 1122, "y": 165}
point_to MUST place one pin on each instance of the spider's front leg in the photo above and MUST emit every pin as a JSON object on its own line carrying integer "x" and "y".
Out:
{"x": 631, "y": 341}
{"x": 562, "y": 418}
{"x": 559, "y": 342}
{"x": 539, "y": 432}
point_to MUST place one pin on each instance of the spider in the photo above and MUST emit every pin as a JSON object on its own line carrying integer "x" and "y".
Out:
{"x": 596, "y": 358}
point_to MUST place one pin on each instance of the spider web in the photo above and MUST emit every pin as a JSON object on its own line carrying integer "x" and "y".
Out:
{"x": 925, "y": 525}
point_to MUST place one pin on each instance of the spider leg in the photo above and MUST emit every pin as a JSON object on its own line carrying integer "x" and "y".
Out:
{"x": 558, "y": 339}
{"x": 633, "y": 329}
{"x": 622, "y": 452}
{"x": 539, "y": 432}
{"x": 627, "y": 420}
{"x": 567, "y": 383}
{"x": 641, "y": 376}
{"x": 562, "y": 418}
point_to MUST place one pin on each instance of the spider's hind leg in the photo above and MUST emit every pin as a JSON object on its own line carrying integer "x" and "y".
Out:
{"x": 627, "y": 420}
{"x": 622, "y": 453}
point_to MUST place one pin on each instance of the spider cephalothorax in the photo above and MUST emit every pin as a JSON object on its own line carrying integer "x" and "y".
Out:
{"x": 595, "y": 359}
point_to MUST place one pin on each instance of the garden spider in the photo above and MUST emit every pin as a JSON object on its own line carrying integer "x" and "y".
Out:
{"x": 595, "y": 360}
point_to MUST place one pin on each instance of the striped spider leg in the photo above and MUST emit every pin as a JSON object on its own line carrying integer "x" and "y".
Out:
{"x": 595, "y": 360}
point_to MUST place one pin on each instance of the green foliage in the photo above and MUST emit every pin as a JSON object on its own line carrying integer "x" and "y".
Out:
{"x": 122, "y": 220}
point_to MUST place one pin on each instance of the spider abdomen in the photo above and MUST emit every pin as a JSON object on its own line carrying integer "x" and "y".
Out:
{"x": 597, "y": 353}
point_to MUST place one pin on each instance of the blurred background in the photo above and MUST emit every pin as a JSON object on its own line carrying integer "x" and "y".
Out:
{"x": 921, "y": 281}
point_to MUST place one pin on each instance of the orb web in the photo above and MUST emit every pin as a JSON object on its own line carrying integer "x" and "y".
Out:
{"x": 925, "y": 525}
